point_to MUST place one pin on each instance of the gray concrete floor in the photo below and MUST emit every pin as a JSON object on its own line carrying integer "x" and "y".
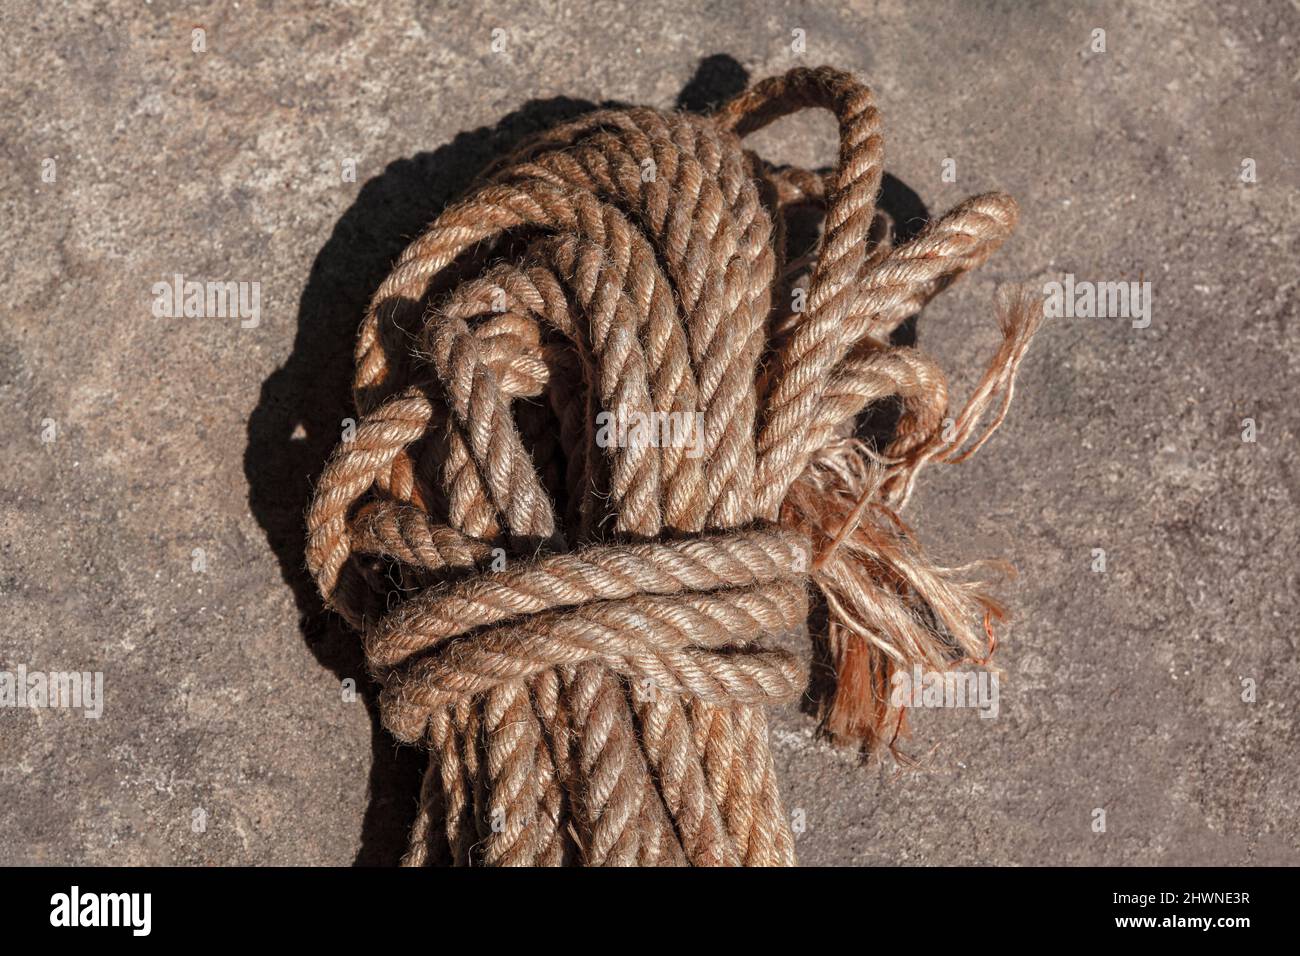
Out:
{"x": 1122, "y": 690}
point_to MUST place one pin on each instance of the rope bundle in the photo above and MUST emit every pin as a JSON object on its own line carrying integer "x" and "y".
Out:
{"x": 585, "y": 631}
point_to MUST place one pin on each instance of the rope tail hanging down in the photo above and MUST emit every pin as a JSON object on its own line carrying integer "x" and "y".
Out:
{"x": 601, "y": 455}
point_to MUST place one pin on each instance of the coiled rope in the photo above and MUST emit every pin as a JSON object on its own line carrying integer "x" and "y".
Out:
{"x": 582, "y": 625}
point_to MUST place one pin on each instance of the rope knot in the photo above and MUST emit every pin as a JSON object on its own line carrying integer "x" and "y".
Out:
{"x": 687, "y": 617}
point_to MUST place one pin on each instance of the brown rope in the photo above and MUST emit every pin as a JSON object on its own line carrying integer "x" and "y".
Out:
{"x": 580, "y": 620}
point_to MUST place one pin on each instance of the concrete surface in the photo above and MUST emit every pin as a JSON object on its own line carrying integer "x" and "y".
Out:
{"x": 1122, "y": 690}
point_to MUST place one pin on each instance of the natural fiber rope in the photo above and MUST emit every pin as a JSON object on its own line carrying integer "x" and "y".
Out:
{"x": 583, "y": 632}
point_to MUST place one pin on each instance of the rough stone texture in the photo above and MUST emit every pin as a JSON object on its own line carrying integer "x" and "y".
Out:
{"x": 1122, "y": 690}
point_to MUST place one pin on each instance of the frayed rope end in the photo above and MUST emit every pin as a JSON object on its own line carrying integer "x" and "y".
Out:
{"x": 889, "y": 608}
